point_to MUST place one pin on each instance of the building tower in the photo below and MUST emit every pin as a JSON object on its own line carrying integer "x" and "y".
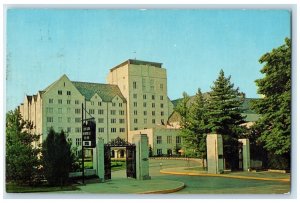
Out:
{"x": 144, "y": 86}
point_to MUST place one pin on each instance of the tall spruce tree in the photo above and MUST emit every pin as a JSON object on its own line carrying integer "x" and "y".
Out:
{"x": 183, "y": 109}
{"x": 57, "y": 158}
{"x": 224, "y": 116}
{"x": 22, "y": 163}
{"x": 194, "y": 134}
{"x": 275, "y": 106}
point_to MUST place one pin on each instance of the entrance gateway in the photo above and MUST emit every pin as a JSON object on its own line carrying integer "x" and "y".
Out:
{"x": 130, "y": 157}
{"x": 137, "y": 157}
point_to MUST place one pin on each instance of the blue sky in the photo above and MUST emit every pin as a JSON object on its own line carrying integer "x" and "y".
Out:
{"x": 193, "y": 45}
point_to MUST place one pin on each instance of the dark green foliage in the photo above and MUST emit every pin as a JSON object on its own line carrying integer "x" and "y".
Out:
{"x": 57, "y": 158}
{"x": 150, "y": 151}
{"x": 224, "y": 116}
{"x": 183, "y": 109}
{"x": 194, "y": 128}
{"x": 22, "y": 163}
{"x": 275, "y": 106}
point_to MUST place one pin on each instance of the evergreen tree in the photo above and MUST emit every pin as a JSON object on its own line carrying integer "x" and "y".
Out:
{"x": 22, "y": 163}
{"x": 275, "y": 106}
{"x": 224, "y": 116}
{"x": 183, "y": 109}
{"x": 58, "y": 158}
{"x": 194, "y": 133}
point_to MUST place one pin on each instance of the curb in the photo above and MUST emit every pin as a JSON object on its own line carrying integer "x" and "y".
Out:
{"x": 224, "y": 176}
{"x": 166, "y": 191}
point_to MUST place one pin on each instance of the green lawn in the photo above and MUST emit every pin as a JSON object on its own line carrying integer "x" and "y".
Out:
{"x": 115, "y": 165}
{"x": 13, "y": 188}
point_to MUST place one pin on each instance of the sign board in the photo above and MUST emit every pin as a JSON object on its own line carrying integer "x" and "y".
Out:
{"x": 89, "y": 134}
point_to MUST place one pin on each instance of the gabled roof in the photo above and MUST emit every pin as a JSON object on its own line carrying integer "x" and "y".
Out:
{"x": 106, "y": 91}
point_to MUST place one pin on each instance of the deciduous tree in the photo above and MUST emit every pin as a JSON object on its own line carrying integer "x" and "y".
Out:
{"x": 275, "y": 106}
{"x": 22, "y": 163}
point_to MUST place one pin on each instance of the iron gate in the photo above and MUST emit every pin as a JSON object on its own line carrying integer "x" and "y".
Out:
{"x": 107, "y": 165}
{"x": 130, "y": 157}
{"x": 130, "y": 162}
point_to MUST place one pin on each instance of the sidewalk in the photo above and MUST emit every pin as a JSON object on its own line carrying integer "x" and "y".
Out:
{"x": 266, "y": 176}
{"x": 130, "y": 186}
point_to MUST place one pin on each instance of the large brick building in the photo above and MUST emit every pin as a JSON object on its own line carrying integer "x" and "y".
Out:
{"x": 134, "y": 99}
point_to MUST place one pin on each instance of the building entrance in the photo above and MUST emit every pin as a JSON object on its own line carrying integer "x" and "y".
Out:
{"x": 130, "y": 157}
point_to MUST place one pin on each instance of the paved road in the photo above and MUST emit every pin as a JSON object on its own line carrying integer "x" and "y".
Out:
{"x": 211, "y": 185}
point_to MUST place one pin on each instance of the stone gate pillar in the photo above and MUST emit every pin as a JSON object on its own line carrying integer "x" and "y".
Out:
{"x": 100, "y": 159}
{"x": 246, "y": 153}
{"x": 215, "y": 160}
{"x": 142, "y": 156}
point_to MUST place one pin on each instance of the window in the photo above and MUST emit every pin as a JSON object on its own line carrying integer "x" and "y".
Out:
{"x": 69, "y": 120}
{"x": 99, "y": 103}
{"x": 153, "y": 121}
{"x": 77, "y": 111}
{"x": 50, "y": 119}
{"x": 135, "y": 128}
{"x": 120, "y": 104}
{"x": 144, "y": 104}
{"x": 145, "y": 120}
{"x": 113, "y": 104}
{"x": 69, "y": 129}
{"x": 113, "y": 130}
{"x": 76, "y": 101}
{"x": 68, "y": 101}
{"x": 91, "y": 111}
{"x": 153, "y": 113}
{"x": 100, "y": 120}
{"x": 134, "y": 85}
{"x": 178, "y": 140}
{"x": 153, "y": 97}
{"x": 59, "y": 92}
{"x": 113, "y": 112}
{"x": 92, "y": 103}
{"x": 50, "y": 101}
{"x": 135, "y": 104}
{"x": 77, "y": 120}
{"x": 68, "y": 92}
{"x": 153, "y": 105}
{"x": 60, "y": 101}
{"x": 121, "y": 120}
{"x": 145, "y": 113}
{"x": 122, "y": 130}
{"x": 68, "y": 110}
{"x": 113, "y": 120}
{"x": 101, "y": 130}
{"x": 134, "y": 96}
{"x": 78, "y": 130}
{"x": 49, "y": 110}
{"x": 121, "y": 112}
{"x": 158, "y": 140}
{"x": 161, "y": 86}
{"x": 78, "y": 141}
{"x": 59, "y": 119}
{"x": 162, "y": 113}
{"x": 144, "y": 96}
{"x": 159, "y": 152}
{"x": 135, "y": 120}
{"x": 135, "y": 112}
{"x": 100, "y": 111}
{"x": 161, "y": 97}
{"x": 161, "y": 105}
{"x": 60, "y": 110}
{"x": 169, "y": 139}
